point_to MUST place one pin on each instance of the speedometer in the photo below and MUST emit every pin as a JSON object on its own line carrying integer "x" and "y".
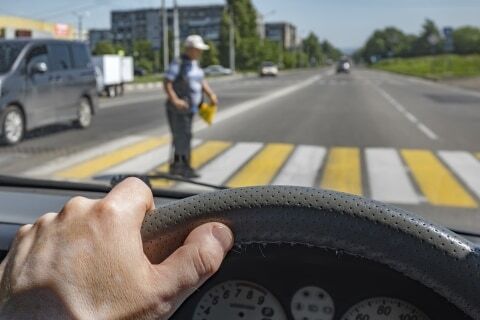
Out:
{"x": 238, "y": 300}
{"x": 384, "y": 309}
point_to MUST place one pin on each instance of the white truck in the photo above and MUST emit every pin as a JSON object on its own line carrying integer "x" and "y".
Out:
{"x": 113, "y": 71}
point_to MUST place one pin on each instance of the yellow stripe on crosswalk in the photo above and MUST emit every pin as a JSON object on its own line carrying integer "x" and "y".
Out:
{"x": 263, "y": 167}
{"x": 200, "y": 156}
{"x": 94, "y": 166}
{"x": 436, "y": 182}
{"x": 343, "y": 171}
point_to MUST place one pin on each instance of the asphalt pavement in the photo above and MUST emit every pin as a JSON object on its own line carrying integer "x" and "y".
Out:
{"x": 397, "y": 139}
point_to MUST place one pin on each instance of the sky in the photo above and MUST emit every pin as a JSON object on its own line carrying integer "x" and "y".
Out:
{"x": 346, "y": 23}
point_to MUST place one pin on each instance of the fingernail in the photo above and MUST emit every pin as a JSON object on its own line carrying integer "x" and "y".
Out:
{"x": 224, "y": 236}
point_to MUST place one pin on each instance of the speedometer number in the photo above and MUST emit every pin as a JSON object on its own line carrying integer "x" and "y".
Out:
{"x": 384, "y": 309}
{"x": 238, "y": 300}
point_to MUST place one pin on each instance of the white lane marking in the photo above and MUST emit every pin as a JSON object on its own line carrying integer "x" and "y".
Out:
{"x": 422, "y": 127}
{"x": 223, "y": 167}
{"x": 429, "y": 133}
{"x": 302, "y": 167}
{"x": 64, "y": 162}
{"x": 145, "y": 162}
{"x": 255, "y": 103}
{"x": 466, "y": 166}
{"x": 388, "y": 177}
{"x": 411, "y": 117}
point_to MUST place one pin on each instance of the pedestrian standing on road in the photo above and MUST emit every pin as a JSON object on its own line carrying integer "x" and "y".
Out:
{"x": 185, "y": 86}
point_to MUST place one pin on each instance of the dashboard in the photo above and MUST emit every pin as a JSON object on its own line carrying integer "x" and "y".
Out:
{"x": 293, "y": 282}
{"x": 265, "y": 282}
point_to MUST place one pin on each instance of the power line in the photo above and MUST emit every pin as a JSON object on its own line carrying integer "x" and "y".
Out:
{"x": 68, "y": 10}
{"x": 40, "y": 14}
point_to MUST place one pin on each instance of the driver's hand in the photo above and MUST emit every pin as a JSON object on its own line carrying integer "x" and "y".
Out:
{"x": 87, "y": 262}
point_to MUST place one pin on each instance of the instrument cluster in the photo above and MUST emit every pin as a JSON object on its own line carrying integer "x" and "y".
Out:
{"x": 293, "y": 282}
{"x": 236, "y": 299}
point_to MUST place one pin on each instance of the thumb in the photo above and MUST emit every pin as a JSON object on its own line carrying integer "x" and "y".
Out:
{"x": 193, "y": 263}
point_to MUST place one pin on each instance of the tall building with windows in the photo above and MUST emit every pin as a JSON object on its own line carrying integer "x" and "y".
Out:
{"x": 282, "y": 32}
{"x": 97, "y": 35}
{"x": 129, "y": 26}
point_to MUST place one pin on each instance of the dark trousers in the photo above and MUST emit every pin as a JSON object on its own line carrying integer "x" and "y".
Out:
{"x": 180, "y": 123}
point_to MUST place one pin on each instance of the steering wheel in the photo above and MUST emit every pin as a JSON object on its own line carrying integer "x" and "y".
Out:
{"x": 424, "y": 252}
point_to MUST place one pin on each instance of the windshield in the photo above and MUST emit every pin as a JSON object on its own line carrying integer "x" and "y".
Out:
{"x": 9, "y": 52}
{"x": 374, "y": 98}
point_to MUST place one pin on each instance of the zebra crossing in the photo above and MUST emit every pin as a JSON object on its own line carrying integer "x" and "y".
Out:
{"x": 447, "y": 178}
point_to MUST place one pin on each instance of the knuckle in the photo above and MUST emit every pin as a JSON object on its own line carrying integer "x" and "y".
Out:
{"x": 74, "y": 204}
{"x": 205, "y": 262}
{"x": 23, "y": 230}
{"x": 107, "y": 207}
{"x": 134, "y": 180}
{"x": 45, "y": 219}
{"x": 136, "y": 183}
{"x": 164, "y": 306}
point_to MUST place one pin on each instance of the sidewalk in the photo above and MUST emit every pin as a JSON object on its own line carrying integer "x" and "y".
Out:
{"x": 466, "y": 83}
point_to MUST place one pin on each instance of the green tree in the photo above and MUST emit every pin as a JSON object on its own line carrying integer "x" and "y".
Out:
{"x": 245, "y": 17}
{"x": 313, "y": 49}
{"x": 246, "y": 35}
{"x": 430, "y": 40}
{"x": 142, "y": 49}
{"x": 210, "y": 57}
{"x": 330, "y": 51}
{"x": 466, "y": 40}
{"x": 145, "y": 64}
{"x": 143, "y": 54}
{"x": 301, "y": 59}
{"x": 269, "y": 51}
{"x": 290, "y": 59}
{"x": 387, "y": 43}
{"x": 104, "y": 47}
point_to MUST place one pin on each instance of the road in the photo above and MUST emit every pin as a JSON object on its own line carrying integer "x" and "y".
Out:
{"x": 408, "y": 142}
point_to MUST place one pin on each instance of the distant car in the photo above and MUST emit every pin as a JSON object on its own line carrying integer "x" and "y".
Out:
{"x": 140, "y": 72}
{"x": 43, "y": 82}
{"x": 217, "y": 70}
{"x": 268, "y": 69}
{"x": 344, "y": 66}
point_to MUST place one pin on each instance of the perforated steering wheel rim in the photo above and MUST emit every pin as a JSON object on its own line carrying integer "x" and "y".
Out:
{"x": 427, "y": 253}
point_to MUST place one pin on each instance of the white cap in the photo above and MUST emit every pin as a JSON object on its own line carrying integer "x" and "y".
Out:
{"x": 195, "y": 41}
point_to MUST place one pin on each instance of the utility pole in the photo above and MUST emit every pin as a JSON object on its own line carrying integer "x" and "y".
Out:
{"x": 165, "y": 36}
{"x": 176, "y": 31}
{"x": 232, "y": 41}
{"x": 80, "y": 16}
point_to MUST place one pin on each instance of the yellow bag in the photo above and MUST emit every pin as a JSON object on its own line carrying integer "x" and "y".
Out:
{"x": 207, "y": 112}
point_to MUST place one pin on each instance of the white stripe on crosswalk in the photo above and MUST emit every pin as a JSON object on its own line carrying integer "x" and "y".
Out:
{"x": 465, "y": 166}
{"x": 302, "y": 167}
{"x": 388, "y": 178}
{"x": 219, "y": 170}
{"x": 145, "y": 162}
{"x": 67, "y": 161}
